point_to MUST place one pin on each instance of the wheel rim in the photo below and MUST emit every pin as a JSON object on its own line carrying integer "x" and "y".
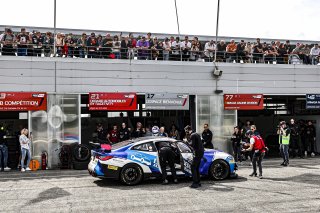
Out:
{"x": 218, "y": 171}
{"x": 131, "y": 174}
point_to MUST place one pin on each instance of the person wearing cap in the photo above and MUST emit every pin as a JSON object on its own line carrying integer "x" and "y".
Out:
{"x": 198, "y": 151}
{"x": 258, "y": 147}
{"x": 284, "y": 140}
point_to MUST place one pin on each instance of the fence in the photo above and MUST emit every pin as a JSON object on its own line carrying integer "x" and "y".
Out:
{"x": 152, "y": 53}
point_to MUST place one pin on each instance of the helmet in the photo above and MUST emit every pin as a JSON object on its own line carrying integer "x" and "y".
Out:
{"x": 249, "y": 133}
{"x": 155, "y": 130}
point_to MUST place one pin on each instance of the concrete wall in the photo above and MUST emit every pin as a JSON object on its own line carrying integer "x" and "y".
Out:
{"x": 88, "y": 75}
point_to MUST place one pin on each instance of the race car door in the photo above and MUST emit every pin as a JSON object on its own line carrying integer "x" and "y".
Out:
{"x": 186, "y": 157}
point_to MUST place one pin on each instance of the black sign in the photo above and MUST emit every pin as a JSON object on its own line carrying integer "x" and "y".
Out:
{"x": 313, "y": 101}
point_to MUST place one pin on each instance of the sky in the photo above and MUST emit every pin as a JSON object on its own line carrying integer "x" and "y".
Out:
{"x": 279, "y": 19}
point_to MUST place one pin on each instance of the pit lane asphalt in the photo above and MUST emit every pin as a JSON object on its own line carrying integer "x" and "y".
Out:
{"x": 284, "y": 189}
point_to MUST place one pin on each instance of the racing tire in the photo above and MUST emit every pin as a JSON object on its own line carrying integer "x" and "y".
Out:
{"x": 219, "y": 170}
{"x": 81, "y": 153}
{"x": 131, "y": 174}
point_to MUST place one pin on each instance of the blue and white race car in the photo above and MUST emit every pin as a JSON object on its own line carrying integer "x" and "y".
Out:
{"x": 135, "y": 160}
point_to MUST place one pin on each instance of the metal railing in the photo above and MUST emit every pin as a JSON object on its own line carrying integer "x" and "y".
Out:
{"x": 152, "y": 53}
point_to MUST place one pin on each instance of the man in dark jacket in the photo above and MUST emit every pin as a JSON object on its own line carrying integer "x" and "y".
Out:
{"x": 310, "y": 138}
{"x": 124, "y": 133}
{"x": 198, "y": 151}
{"x": 167, "y": 157}
{"x": 207, "y": 137}
{"x": 100, "y": 135}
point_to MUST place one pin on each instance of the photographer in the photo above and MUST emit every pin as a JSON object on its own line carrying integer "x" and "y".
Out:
{"x": 284, "y": 140}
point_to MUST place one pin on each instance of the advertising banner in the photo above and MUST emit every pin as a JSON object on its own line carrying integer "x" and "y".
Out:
{"x": 23, "y": 101}
{"x": 167, "y": 101}
{"x": 312, "y": 101}
{"x": 112, "y": 101}
{"x": 243, "y": 101}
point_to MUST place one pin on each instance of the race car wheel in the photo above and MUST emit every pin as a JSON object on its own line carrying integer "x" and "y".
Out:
{"x": 219, "y": 170}
{"x": 131, "y": 174}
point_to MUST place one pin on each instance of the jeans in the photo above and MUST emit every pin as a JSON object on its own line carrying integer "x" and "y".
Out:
{"x": 117, "y": 54}
{"x": 284, "y": 151}
{"x": 3, "y": 156}
{"x": 195, "y": 169}
{"x": 25, "y": 152}
{"x": 22, "y": 51}
{"x": 237, "y": 152}
{"x": 257, "y": 158}
{"x": 166, "y": 56}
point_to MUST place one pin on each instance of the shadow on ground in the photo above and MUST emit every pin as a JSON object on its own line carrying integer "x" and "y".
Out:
{"x": 307, "y": 178}
{"x": 207, "y": 184}
{"x": 52, "y": 193}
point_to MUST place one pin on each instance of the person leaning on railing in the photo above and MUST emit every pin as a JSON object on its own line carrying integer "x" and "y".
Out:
{"x": 22, "y": 42}
{"x": 81, "y": 44}
{"x": 92, "y": 44}
{"x": 257, "y": 51}
{"x": 107, "y": 44}
{"x": 48, "y": 43}
{"x": 231, "y": 50}
{"x": 116, "y": 46}
{"x": 221, "y": 51}
{"x": 185, "y": 48}
{"x": 209, "y": 49}
{"x": 314, "y": 54}
{"x": 166, "y": 45}
{"x": 155, "y": 49}
{"x": 240, "y": 52}
{"x": 8, "y": 40}
{"x": 125, "y": 45}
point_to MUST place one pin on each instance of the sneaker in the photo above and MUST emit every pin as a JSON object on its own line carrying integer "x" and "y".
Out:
{"x": 260, "y": 176}
{"x": 28, "y": 169}
{"x": 312, "y": 154}
{"x": 253, "y": 174}
{"x": 165, "y": 182}
{"x": 250, "y": 164}
{"x": 195, "y": 185}
{"x": 7, "y": 169}
{"x": 282, "y": 163}
{"x": 23, "y": 170}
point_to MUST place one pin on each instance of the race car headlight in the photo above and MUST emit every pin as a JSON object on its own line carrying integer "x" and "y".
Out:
{"x": 230, "y": 159}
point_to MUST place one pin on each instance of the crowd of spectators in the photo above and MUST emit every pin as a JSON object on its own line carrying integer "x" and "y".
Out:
{"x": 151, "y": 48}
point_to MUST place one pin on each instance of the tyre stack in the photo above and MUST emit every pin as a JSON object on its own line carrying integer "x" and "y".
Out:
{"x": 81, "y": 156}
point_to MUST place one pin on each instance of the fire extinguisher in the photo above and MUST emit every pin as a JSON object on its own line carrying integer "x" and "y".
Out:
{"x": 44, "y": 160}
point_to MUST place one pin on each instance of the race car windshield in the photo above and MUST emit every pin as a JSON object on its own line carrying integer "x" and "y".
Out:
{"x": 122, "y": 144}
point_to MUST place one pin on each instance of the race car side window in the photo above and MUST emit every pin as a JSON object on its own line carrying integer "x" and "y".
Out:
{"x": 184, "y": 148}
{"x": 146, "y": 147}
